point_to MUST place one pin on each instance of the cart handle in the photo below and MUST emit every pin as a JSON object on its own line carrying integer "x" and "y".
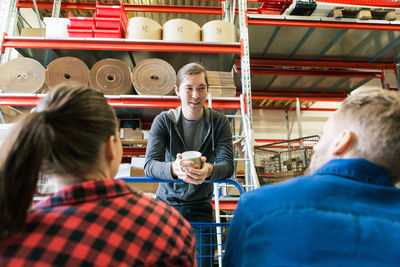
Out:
{"x": 156, "y": 180}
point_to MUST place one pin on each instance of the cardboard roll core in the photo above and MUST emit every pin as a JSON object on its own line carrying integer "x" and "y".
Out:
{"x": 67, "y": 70}
{"x": 153, "y": 76}
{"x": 21, "y": 75}
{"x": 111, "y": 76}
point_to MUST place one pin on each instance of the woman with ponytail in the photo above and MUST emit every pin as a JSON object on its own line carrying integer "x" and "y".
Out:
{"x": 72, "y": 138}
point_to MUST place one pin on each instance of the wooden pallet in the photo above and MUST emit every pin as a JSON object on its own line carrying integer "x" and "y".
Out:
{"x": 363, "y": 13}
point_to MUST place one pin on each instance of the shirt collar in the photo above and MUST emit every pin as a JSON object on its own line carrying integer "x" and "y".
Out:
{"x": 357, "y": 169}
{"x": 86, "y": 191}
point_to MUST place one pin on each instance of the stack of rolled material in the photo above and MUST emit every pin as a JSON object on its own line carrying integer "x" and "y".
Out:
{"x": 111, "y": 76}
{"x": 67, "y": 70}
{"x": 221, "y": 84}
{"x": 142, "y": 28}
{"x": 153, "y": 76}
{"x": 22, "y": 75}
{"x": 220, "y": 31}
{"x": 181, "y": 30}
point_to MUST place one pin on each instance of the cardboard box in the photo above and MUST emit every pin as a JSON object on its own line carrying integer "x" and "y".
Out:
{"x": 232, "y": 191}
{"x": 144, "y": 187}
{"x": 34, "y": 32}
{"x": 129, "y": 134}
{"x": 137, "y": 170}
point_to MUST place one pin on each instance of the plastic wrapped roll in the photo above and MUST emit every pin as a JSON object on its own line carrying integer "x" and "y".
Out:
{"x": 141, "y": 28}
{"x": 181, "y": 30}
{"x": 111, "y": 76}
{"x": 21, "y": 75}
{"x": 220, "y": 31}
{"x": 67, "y": 70}
{"x": 153, "y": 76}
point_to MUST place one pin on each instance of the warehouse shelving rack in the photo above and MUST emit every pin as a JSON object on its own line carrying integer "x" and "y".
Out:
{"x": 338, "y": 55}
{"x": 213, "y": 56}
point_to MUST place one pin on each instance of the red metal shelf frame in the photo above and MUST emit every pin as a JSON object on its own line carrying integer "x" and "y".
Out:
{"x": 121, "y": 101}
{"x": 377, "y": 3}
{"x": 117, "y": 45}
{"x": 133, "y": 151}
{"x": 208, "y": 10}
{"x": 323, "y": 24}
{"x": 330, "y": 73}
{"x": 225, "y": 204}
{"x": 327, "y": 97}
{"x": 254, "y": 62}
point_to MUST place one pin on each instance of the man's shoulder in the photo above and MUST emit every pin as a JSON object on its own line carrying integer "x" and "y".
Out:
{"x": 163, "y": 116}
{"x": 297, "y": 189}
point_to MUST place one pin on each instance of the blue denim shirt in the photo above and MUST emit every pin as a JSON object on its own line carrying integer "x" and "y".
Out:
{"x": 345, "y": 214}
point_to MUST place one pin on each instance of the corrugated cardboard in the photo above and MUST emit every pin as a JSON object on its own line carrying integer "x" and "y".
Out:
{"x": 232, "y": 191}
{"x": 34, "y": 32}
{"x": 137, "y": 165}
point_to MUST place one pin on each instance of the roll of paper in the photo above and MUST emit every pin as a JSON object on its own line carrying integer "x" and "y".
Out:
{"x": 111, "y": 76}
{"x": 67, "y": 70}
{"x": 181, "y": 30}
{"x": 153, "y": 76}
{"x": 141, "y": 28}
{"x": 21, "y": 75}
{"x": 220, "y": 31}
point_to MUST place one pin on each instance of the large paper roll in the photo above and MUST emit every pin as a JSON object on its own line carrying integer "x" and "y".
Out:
{"x": 141, "y": 28}
{"x": 181, "y": 30}
{"x": 153, "y": 76}
{"x": 111, "y": 76}
{"x": 220, "y": 31}
{"x": 67, "y": 70}
{"x": 21, "y": 75}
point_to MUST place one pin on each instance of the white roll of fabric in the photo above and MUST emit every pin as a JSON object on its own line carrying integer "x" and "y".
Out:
{"x": 141, "y": 28}
{"x": 21, "y": 75}
{"x": 181, "y": 30}
{"x": 153, "y": 76}
{"x": 220, "y": 31}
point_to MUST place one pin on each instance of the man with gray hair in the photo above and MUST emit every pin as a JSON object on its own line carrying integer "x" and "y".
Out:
{"x": 346, "y": 210}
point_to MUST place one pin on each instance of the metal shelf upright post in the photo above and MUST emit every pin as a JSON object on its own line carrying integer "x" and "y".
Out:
{"x": 246, "y": 100}
{"x": 8, "y": 14}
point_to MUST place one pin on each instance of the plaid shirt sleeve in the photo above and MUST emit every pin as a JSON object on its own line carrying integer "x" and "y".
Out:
{"x": 101, "y": 223}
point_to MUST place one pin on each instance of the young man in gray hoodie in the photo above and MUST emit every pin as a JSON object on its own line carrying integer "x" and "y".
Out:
{"x": 192, "y": 126}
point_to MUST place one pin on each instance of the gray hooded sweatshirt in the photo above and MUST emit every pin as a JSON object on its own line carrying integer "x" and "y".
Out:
{"x": 166, "y": 140}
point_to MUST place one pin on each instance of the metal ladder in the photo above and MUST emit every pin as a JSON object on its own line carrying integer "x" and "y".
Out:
{"x": 251, "y": 178}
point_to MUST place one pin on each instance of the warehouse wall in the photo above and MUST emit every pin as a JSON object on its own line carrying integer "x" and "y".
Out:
{"x": 271, "y": 124}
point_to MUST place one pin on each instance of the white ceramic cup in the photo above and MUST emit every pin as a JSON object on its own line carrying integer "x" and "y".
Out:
{"x": 194, "y": 156}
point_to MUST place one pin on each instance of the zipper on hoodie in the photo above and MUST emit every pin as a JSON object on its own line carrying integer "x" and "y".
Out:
{"x": 184, "y": 145}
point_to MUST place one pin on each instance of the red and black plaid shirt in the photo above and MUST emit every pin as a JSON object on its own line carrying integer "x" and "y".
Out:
{"x": 101, "y": 223}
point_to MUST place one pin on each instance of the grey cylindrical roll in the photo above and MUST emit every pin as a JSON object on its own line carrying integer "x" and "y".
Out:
{"x": 111, "y": 76}
{"x": 67, "y": 70}
{"x": 21, "y": 75}
{"x": 153, "y": 76}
